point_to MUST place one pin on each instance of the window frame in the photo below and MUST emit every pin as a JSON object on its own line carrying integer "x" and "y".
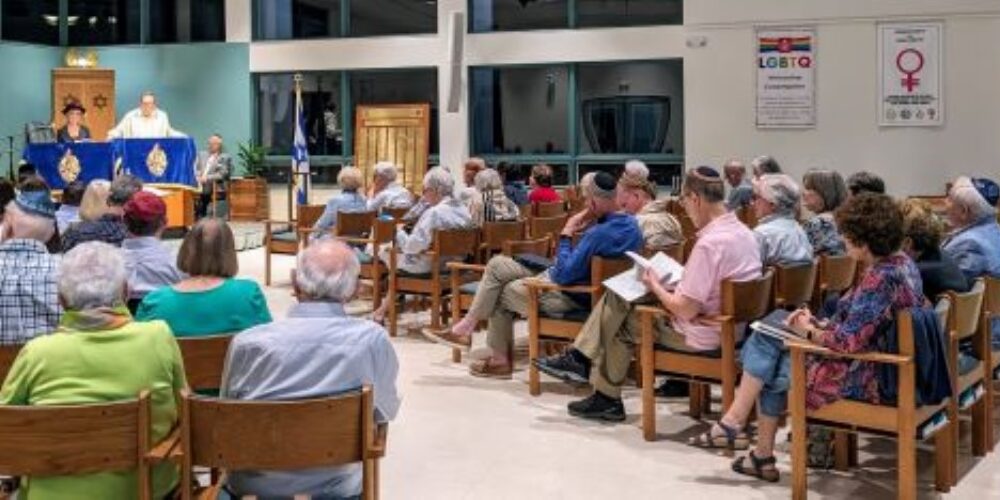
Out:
{"x": 572, "y": 21}
{"x": 345, "y": 26}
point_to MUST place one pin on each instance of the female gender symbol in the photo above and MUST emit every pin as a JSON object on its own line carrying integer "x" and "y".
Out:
{"x": 910, "y": 82}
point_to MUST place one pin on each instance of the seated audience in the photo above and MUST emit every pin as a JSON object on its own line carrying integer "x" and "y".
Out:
{"x": 922, "y": 233}
{"x": 468, "y": 190}
{"x": 210, "y": 301}
{"x": 541, "y": 185}
{"x": 490, "y": 204}
{"x": 443, "y": 212}
{"x": 386, "y": 192}
{"x": 36, "y": 183}
{"x": 69, "y": 205}
{"x": 602, "y": 352}
{"x": 348, "y": 200}
{"x": 101, "y": 212}
{"x": 318, "y": 351}
{"x": 865, "y": 182}
{"x": 763, "y": 165}
{"x": 29, "y": 303}
{"x": 740, "y": 189}
{"x": 637, "y": 196}
{"x": 149, "y": 264}
{"x": 872, "y": 225}
{"x": 26, "y": 171}
{"x": 823, "y": 191}
{"x": 782, "y": 240}
{"x": 502, "y": 292}
{"x": 635, "y": 170}
{"x": 974, "y": 242}
{"x": 99, "y": 355}
{"x": 513, "y": 186}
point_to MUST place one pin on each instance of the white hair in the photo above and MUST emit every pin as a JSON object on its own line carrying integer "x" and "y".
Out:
{"x": 28, "y": 226}
{"x": 587, "y": 181}
{"x": 964, "y": 194}
{"x": 92, "y": 275}
{"x": 385, "y": 170}
{"x": 327, "y": 269}
{"x": 636, "y": 169}
{"x": 488, "y": 180}
{"x": 781, "y": 191}
{"x": 439, "y": 180}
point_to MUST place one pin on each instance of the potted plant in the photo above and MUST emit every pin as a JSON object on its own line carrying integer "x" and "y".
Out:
{"x": 252, "y": 157}
{"x": 248, "y": 197}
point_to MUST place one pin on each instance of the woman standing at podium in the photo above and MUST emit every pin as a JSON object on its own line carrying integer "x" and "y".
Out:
{"x": 74, "y": 130}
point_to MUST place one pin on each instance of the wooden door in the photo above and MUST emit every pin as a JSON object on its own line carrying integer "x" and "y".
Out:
{"x": 94, "y": 89}
{"x": 399, "y": 133}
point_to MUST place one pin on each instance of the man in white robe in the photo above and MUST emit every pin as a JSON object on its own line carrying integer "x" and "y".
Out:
{"x": 145, "y": 122}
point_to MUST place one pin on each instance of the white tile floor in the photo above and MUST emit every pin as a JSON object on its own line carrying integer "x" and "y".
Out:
{"x": 459, "y": 437}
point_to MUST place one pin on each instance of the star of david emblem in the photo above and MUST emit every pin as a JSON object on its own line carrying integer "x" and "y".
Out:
{"x": 100, "y": 101}
{"x": 69, "y": 99}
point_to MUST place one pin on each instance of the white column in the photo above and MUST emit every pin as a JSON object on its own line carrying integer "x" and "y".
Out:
{"x": 454, "y": 127}
{"x": 238, "y": 20}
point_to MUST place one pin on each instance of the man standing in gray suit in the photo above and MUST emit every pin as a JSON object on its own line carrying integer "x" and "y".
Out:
{"x": 213, "y": 169}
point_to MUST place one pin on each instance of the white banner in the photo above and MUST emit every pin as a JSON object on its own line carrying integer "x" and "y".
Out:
{"x": 909, "y": 60}
{"x": 786, "y": 77}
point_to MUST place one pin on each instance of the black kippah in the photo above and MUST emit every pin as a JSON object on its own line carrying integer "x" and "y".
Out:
{"x": 605, "y": 181}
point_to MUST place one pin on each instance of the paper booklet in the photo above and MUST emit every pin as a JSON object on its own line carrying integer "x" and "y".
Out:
{"x": 629, "y": 286}
{"x": 773, "y": 325}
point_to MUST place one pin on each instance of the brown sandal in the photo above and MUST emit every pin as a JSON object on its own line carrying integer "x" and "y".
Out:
{"x": 485, "y": 368}
{"x": 760, "y": 468}
{"x": 731, "y": 439}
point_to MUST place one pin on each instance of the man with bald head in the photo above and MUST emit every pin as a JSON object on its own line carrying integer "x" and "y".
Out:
{"x": 317, "y": 351}
{"x": 740, "y": 190}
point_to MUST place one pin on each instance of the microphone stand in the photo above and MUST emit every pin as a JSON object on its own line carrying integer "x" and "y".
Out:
{"x": 10, "y": 154}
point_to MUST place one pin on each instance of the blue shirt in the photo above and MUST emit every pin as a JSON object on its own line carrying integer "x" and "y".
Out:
{"x": 976, "y": 248}
{"x": 318, "y": 351}
{"x": 149, "y": 265}
{"x": 346, "y": 201}
{"x": 517, "y": 192}
{"x": 612, "y": 236}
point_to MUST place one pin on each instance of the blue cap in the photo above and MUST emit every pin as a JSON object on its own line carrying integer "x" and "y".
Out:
{"x": 987, "y": 189}
{"x": 36, "y": 203}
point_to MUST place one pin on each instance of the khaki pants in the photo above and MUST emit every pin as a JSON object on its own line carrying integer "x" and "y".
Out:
{"x": 608, "y": 338}
{"x": 502, "y": 294}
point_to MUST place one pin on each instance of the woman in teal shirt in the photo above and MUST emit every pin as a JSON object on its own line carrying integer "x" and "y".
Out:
{"x": 211, "y": 301}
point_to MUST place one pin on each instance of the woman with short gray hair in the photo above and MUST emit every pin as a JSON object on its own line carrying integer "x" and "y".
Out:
{"x": 386, "y": 192}
{"x": 975, "y": 239}
{"x": 347, "y": 200}
{"x": 781, "y": 238}
{"x": 490, "y": 204}
{"x": 823, "y": 191}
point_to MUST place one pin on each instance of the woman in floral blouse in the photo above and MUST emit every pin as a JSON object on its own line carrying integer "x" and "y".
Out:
{"x": 823, "y": 192}
{"x": 872, "y": 225}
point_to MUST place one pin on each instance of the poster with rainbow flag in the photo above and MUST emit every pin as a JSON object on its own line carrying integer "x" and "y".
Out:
{"x": 786, "y": 77}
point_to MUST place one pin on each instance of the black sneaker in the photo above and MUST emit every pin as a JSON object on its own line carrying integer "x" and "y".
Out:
{"x": 567, "y": 367}
{"x": 673, "y": 389}
{"x": 598, "y": 407}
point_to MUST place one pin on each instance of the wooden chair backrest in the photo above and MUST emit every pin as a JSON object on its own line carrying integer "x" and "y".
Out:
{"x": 746, "y": 301}
{"x": 525, "y": 211}
{"x": 395, "y": 212}
{"x": 8, "y": 354}
{"x": 308, "y": 215}
{"x": 747, "y": 216}
{"x": 689, "y": 231}
{"x": 675, "y": 207}
{"x": 71, "y": 440}
{"x": 602, "y": 268}
{"x": 539, "y": 227}
{"x": 354, "y": 223}
{"x": 836, "y": 273}
{"x": 204, "y": 360}
{"x": 541, "y": 247}
{"x": 276, "y": 435}
{"x": 966, "y": 310}
{"x": 456, "y": 242}
{"x": 991, "y": 300}
{"x": 550, "y": 209}
{"x": 383, "y": 231}
{"x": 793, "y": 285}
{"x": 496, "y": 233}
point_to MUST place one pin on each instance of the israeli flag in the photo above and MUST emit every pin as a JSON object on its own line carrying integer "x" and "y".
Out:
{"x": 300, "y": 152}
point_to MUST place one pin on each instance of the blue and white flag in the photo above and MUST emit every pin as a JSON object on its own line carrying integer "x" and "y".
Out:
{"x": 300, "y": 152}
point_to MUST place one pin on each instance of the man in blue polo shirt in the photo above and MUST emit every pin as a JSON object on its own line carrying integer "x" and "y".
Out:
{"x": 502, "y": 293}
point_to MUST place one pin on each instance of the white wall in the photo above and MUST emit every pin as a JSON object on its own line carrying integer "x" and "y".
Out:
{"x": 719, "y": 80}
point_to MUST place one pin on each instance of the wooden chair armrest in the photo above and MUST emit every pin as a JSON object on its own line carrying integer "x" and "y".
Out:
{"x": 874, "y": 357}
{"x": 381, "y": 437}
{"x": 545, "y": 286}
{"x": 167, "y": 450}
{"x": 354, "y": 239}
{"x": 461, "y": 266}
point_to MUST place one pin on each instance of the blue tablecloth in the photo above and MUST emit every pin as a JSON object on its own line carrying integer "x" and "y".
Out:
{"x": 164, "y": 162}
{"x": 84, "y": 161}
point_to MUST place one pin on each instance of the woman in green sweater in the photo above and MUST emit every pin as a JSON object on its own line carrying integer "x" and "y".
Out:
{"x": 210, "y": 301}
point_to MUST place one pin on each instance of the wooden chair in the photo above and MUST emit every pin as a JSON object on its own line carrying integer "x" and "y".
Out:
{"x": 965, "y": 323}
{"x": 524, "y": 211}
{"x": 289, "y": 241}
{"x": 900, "y": 421}
{"x": 8, "y": 354}
{"x": 383, "y": 233}
{"x": 540, "y": 227}
{"x": 835, "y": 274}
{"x": 690, "y": 233}
{"x": 354, "y": 224}
{"x": 396, "y": 213}
{"x": 794, "y": 285}
{"x": 463, "y": 287}
{"x": 747, "y": 216}
{"x": 204, "y": 360}
{"x": 991, "y": 310}
{"x": 451, "y": 244}
{"x": 549, "y": 209}
{"x": 233, "y": 435}
{"x": 567, "y": 327}
{"x": 80, "y": 439}
{"x": 741, "y": 302}
{"x": 496, "y": 233}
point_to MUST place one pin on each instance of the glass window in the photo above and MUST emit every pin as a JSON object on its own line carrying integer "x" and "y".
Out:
{"x": 292, "y": 19}
{"x": 391, "y": 17}
{"x": 208, "y": 21}
{"x": 506, "y": 15}
{"x": 631, "y": 108}
{"x": 609, "y": 13}
{"x": 31, "y": 21}
{"x": 407, "y": 86}
{"x": 173, "y": 21}
{"x": 320, "y": 102}
{"x": 519, "y": 110}
{"x": 662, "y": 173}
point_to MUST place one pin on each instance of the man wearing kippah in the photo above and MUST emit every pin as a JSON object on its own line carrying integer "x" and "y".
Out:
{"x": 149, "y": 264}
{"x": 29, "y": 300}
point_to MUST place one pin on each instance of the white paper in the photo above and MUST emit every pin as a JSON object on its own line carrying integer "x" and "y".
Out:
{"x": 158, "y": 192}
{"x": 629, "y": 286}
{"x": 910, "y": 74}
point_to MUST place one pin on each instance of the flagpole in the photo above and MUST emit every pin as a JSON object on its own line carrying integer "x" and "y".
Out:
{"x": 291, "y": 167}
